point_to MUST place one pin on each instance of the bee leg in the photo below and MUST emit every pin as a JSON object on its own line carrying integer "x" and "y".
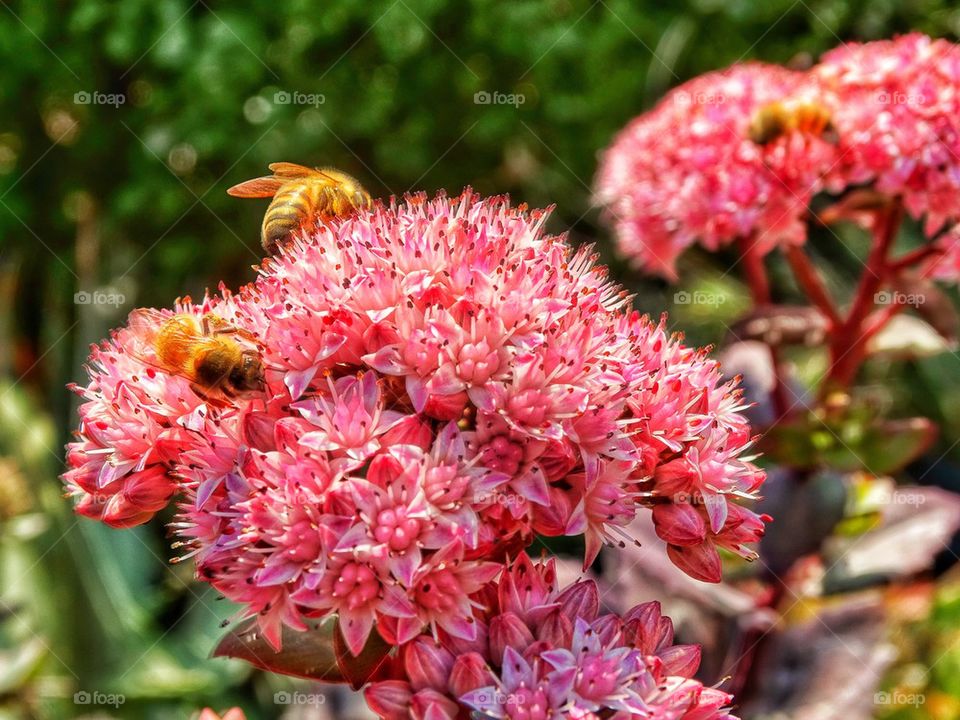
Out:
{"x": 230, "y": 330}
{"x": 213, "y": 325}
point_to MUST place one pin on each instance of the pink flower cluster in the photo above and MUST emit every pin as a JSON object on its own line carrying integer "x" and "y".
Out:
{"x": 895, "y": 104}
{"x": 444, "y": 381}
{"x": 688, "y": 172}
{"x": 542, "y": 654}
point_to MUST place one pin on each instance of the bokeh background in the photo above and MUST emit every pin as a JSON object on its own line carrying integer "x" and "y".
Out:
{"x": 122, "y": 125}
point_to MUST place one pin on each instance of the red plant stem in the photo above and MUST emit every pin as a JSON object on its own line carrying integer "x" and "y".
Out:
{"x": 848, "y": 344}
{"x": 878, "y": 320}
{"x": 755, "y": 274}
{"x": 811, "y": 283}
{"x": 911, "y": 258}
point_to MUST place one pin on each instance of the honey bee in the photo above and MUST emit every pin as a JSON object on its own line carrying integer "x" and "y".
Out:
{"x": 220, "y": 361}
{"x": 298, "y": 193}
{"x": 777, "y": 119}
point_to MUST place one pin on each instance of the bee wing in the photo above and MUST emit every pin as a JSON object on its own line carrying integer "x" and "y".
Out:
{"x": 144, "y": 328}
{"x": 258, "y": 187}
{"x": 291, "y": 171}
{"x": 143, "y": 325}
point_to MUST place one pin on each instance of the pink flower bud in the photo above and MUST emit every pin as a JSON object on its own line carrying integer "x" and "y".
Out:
{"x": 432, "y": 705}
{"x": 508, "y": 630}
{"x": 682, "y": 660}
{"x": 409, "y": 431}
{"x": 119, "y": 512}
{"x": 674, "y": 477}
{"x": 258, "y": 430}
{"x": 608, "y": 629}
{"x": 231, "y": 714}
{"x": 469, "y": 672}
{"x": 552, "y": 520}
{"x": 390, "y": 699}
{"x": 679, "y": 524}
{"x": 647, "y": 629}
{"x": 533, "y": 651}
{"x": 558, "y": 460}
{"x": 149, "y": 490}
{"x": 580, "y": 600}
{"x": 461, "y": 646}
{"x": 701, "y": 562}
{"x": 523, "y": 588}
{"x": 427, "y": 664}
{"x": 446, "y": 407}
{"x": 556, "y": 628}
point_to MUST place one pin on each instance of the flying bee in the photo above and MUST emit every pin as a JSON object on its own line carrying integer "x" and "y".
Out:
{"x": 220, "y": 361}
{"x": 299, "y": 193}
{"x": 776, "y": 119}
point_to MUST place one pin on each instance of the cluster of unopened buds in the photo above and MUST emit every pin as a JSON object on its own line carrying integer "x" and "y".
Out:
{"x": 541, "y": 654}
{"x": 424, "y": 388}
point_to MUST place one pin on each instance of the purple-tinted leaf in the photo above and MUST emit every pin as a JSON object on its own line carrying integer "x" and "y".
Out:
{"x": 917, "y": 523}
{"x": 317, "y": 654}
{"x": 805, "y": 511}
{"x": 782, "y": 325}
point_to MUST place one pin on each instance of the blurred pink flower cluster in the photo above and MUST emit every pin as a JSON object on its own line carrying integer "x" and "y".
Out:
{"x": 444, "y": 382}
{"x": 895, "y": 104}
{"x": 688, "y": 171}
{"x": 541, "y": 654}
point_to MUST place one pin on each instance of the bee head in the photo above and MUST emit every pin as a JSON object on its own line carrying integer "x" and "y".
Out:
{"x": 247, "y": 376}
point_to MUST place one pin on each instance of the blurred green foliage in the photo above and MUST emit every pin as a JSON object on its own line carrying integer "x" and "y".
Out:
{"x": 124, "y": 123}
{"x": 927, "y": 686}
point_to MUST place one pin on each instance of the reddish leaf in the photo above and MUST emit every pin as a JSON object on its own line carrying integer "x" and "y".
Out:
{"x": 782, "y": 325}
{"x": 317, "y": 654}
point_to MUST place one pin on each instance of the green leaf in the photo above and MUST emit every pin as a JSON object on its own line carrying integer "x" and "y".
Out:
{"x": 890, "y": 446}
